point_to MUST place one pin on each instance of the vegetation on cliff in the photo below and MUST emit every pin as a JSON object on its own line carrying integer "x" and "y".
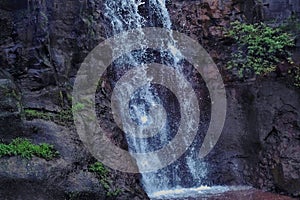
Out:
{"x": 27, "y": 149}
{"x": 259, "y": 48}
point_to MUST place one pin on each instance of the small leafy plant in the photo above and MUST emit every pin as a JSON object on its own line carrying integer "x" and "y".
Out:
{"x": 114, "y": 193}
{"x": 100, "y": 169}
{"x": 295, "y": 75}
{"x": 103, "y": 173}
{"x": 67, "y": 114}
{"x": 26, "y": 149}
{"x": 260, "y": 48}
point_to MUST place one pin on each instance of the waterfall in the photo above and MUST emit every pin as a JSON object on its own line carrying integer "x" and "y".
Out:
{"x": 151, "y": 104}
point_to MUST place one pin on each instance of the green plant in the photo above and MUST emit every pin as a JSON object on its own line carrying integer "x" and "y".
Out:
{"x": 44, "y": 21}
{"x": 103, "y": 173}
{"x": 73, "y": 195}
{"x": 260, "y": 48}
{"x": 26, "y": 149}
{"x": 295, "y": 75}
{"x": 65, "y": 115}
{"x": 297, "y": 79}
{"x": 100, "y": 169}
{"x": 114, "y": 193}
{"x": 31, "y": 113}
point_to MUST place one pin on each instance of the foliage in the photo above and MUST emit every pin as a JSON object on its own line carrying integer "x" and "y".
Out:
{"x": 297, "y": 78}
{"x": 65, "y": 115}
{"x": 73, "y": 195}
{"x": 100, "y": 169}
{"x": 103, "y": 173}
{"x": 260, "y": 48}
{"x": 295, "y": 73}
{"x": 292, "y": 26}
{"x": 114, "y": 193}
{"x": 26, "y": 149}
{"x": 31, "y": 113}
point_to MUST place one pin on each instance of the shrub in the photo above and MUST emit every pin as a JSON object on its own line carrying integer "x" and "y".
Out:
{"x": 26, "y": 149}
{"x": 260, "y": 48}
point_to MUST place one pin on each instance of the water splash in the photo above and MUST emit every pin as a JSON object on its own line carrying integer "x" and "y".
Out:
{"x": 204, "y": 191}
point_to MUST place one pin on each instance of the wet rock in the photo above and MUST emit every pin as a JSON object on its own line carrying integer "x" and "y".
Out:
{"x": 65, "y": 177}
{"x": 10, "y": 107}
{"x": 260, "y": 138}
{"x": 13, "y": 4}
{"x": 44, "y": 43}
{"x": 279, "y": 133}
{"x": 279, "y": 10}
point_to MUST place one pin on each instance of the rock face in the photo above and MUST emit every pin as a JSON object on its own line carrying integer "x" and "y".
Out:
{"x": 66, "y": 177}
{"x": 10, "y": 107}
{"x": 260, "y": 140}
{"x": 278, "y": 127}
{"x": 42, "y": 44}
{"x": 280, "y": 9}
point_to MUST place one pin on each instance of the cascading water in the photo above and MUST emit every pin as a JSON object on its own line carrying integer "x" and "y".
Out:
{"x": 152, "y": 105}
{"x": 124, "y": 15}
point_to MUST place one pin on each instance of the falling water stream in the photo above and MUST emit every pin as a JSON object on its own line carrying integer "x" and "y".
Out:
{"x": 152, "y": 105}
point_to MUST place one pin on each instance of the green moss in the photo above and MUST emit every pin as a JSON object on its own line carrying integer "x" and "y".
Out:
{"x": 260, "y": 48}
{"x": 26, "y": 149}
